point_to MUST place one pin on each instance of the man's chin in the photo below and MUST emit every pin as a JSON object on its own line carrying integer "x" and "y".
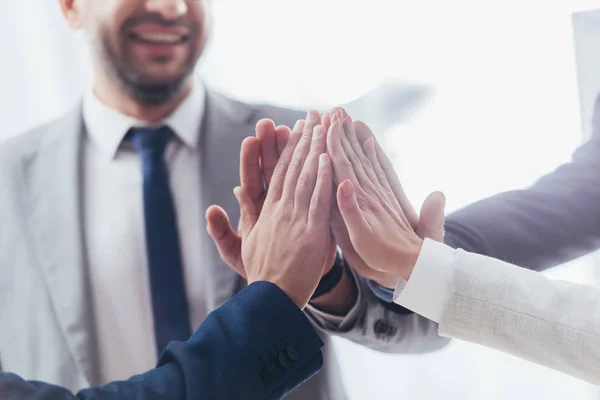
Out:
{"x": 156, "y": 91}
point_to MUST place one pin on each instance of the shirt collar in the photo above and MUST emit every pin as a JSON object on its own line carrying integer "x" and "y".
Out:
{"x": 107, "y": 127}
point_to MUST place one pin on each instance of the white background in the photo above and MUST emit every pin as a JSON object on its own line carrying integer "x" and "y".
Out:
{"x": 505, "y": 110}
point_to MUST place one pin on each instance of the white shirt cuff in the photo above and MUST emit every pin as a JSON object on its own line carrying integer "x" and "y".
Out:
{"x": 428, "y": 288}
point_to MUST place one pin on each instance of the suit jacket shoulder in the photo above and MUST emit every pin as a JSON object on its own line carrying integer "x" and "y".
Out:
{"x": 22, "y": 147}
{"x": 251, "y": 113}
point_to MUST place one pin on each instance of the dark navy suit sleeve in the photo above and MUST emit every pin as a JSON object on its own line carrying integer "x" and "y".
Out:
{"x": 555, "y": 220}
{"x": 258, "y": 345}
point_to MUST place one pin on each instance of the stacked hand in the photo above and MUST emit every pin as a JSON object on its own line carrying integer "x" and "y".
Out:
{"x": 372, "y": 222}
{"x": 377, "y": 215}
{"x": 284, "y": 234}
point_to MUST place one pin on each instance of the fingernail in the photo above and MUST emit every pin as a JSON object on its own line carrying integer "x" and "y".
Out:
{"x": 311, "y": 116}
{"x": 236, "y": 193}
{"x": 347, "y": 121}
{"x": 323, "y": 159}
{"x": 347, "y": 188}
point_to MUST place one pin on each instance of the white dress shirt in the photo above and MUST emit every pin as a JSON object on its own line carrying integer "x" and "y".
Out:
{"x": 114, "y": 230}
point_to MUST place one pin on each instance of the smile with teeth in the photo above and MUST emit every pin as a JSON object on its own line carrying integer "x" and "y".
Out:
{"x": 158, "y": 38}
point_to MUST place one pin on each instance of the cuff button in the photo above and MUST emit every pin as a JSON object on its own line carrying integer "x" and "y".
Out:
{"x": 291, "y": 352}
{"x": 283, "y": 361}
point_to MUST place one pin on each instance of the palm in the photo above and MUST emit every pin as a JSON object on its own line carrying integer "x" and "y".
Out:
{"x": 342, "y": 238}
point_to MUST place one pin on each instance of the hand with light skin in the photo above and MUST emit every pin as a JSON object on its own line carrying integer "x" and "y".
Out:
{"x": 255, "y": 175}
{"x": 258, "y": 158}
{"x": 378, "y": 228}
{"x": 430, "y": 222}
{"x": 261, "y": 158}
{"x": 428, "y": 225}
{"x": 284, "y": 237}
{"x": 229, "y": 241}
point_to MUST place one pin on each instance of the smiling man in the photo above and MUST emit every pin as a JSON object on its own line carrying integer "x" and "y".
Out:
{"x": 104, "y": 255}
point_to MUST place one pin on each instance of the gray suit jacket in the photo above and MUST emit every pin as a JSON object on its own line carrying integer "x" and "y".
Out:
{"x": 45, "y": 312}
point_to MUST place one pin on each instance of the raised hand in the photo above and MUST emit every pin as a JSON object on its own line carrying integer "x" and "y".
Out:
{"x": 338, "y": 227}
{"x": 266, "y": 147}
{"x": 430, "y": 221}
{"x": 381, "y": 234}
{"x": 271, "y": 231}
{"x": 289, "y": 242}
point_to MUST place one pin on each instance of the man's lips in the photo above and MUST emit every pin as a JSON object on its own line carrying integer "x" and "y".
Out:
{"x": 153, "y": 34}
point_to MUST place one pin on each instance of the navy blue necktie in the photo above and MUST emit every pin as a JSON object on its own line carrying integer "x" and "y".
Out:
{"x": 169, "y": 303}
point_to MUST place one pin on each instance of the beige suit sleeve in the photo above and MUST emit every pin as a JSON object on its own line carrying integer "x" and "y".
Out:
{"x": 499, "y": 305}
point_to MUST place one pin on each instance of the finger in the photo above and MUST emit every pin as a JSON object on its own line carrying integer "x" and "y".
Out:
{"x": 308, "y": 176}
{"x": 357, "y": 162}
{"x": 228, "y": 242}
{"x": 365, "y": 163}
{"x": 278, "y": 179}
{"x": 431, "y": 222}
{"x": 340, "y": 112}
{"x": 326, "y": 122}
{"x": 250, "y": 171}
{"x": 363, "y": 132}
{"x": 369, "y": 146}
{"x": 313, "y": 118}
{"x": 320, "y": 203}
{"x": 342, "y": 167}
{"x": 269, "y": 154}
{"x": 382, "y": 179}
{"x": 282, "y": 133}
{"x": 350, "y": 210}
{"x": 248, "y": 211}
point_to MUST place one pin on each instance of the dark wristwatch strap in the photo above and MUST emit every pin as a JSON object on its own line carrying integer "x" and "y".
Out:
{"x": 331, "y": 279}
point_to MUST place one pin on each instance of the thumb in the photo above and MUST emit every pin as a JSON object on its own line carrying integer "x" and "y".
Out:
{"x": 248, "y": 211}
{"x": 431, "y": 221}
{"x": 348, "y": 205}
{"x": 229, "y": 243}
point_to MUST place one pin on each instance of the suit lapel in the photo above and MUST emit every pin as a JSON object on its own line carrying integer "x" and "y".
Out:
{"x": 225, "y": 125}
{"x": 53, "y": 183}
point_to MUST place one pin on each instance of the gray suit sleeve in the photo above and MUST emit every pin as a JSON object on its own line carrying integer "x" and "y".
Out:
{"x": 554, "y": 221}
{"x": 381, "y": 326}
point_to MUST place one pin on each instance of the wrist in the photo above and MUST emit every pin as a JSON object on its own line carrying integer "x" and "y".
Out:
{"x": 341, "y": 299}
{"x": 291, "y": 290}
{"x": 331, "y": 277}
{"x": 407, "y": 258}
